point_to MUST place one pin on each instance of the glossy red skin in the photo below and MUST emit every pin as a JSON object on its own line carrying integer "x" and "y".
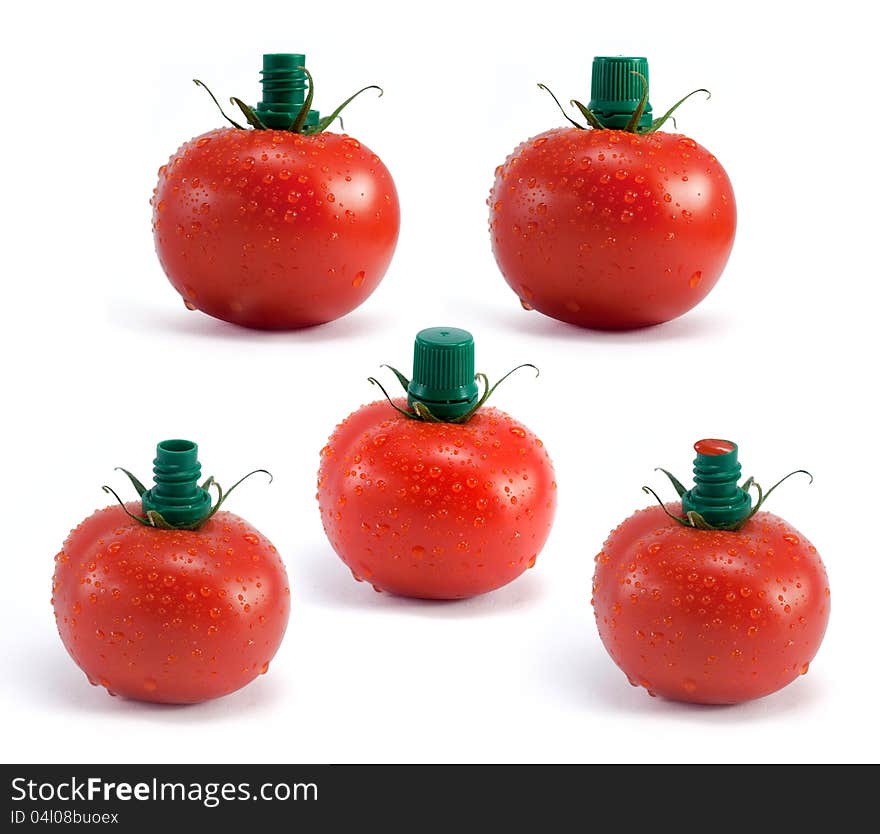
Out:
{"x": 275, "y": 230}
{"x": 710, "y": 617}
{"x": 611, "y": 230}
{"x": 435, "y": 510}
{"x": 169, "y": 616}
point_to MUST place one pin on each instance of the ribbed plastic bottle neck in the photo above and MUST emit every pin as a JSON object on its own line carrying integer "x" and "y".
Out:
{"x": 284, "y": 90}
{"x": 176, "y": 494}
{"x": 716, "y": 495}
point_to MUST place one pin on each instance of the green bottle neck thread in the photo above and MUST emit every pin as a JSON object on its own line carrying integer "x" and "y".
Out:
{"x": 716, "y": 495}
{"x": 443, "y": 377}
{"x": 176, "y": 494}
{"x": 284, "y": 91}
{"x": 615, "y": 92}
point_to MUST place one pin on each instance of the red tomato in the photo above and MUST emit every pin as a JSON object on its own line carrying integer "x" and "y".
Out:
{"x": 609, "y": 229}
{"x": 275, "y": 230}
{"x": 710, "y": 616}
{"x": 172, "y": 616}
{"x": 435, "y": 510}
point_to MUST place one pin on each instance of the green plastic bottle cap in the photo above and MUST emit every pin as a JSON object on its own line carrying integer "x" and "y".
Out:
{"x": 284, "y": 90}
{"x": 615, "y": 92}
{"x": 715, "y": 495}
{"x": 176, "y": 493}
{"x": 443, "y": 376}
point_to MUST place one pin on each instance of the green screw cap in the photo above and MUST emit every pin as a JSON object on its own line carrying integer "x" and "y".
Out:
{"x": 284, "y": 90}
{"x": 176, "y": 493}
{"x": 715, "y": 495}
{"x": 443, "y": 376}
{"x": 615, "y": 92}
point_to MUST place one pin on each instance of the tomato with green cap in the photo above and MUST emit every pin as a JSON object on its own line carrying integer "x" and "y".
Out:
{"x": 434, "y": 495}
{"x": 711, "y": 599}
{"x": 281, "y": 226}
{"x": 615, "y": 224}
{"x": 170, "y": 599}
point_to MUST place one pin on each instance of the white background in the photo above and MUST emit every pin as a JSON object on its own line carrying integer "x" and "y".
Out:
{"x": 101, "y": 360}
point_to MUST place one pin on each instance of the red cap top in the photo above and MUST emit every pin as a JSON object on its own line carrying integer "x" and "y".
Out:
{"x": 711, "y": 446}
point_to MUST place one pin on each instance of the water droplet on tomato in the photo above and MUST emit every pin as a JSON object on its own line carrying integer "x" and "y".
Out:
{"x": 525, "y": 304}
{"x": 358, "y": 279}
{"x": 689, "y": 685}
{"x": 695, "y": 279}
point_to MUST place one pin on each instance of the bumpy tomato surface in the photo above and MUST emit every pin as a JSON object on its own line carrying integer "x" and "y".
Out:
{"x": 275, "y": 230}
{"x": 609, "y": 229}
{"x": 435, "y": 510}
{"x": 172, "y": 616}
{"x": 713, "y": 617}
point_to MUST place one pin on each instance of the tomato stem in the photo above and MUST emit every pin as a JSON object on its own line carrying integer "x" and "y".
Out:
{"x": 288, "y": 92}
{"x": 176, "y": 501}
{"x": 715, "y": 502}
{"x": 619, "y": 97}
{"x": 444, "y": 387}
